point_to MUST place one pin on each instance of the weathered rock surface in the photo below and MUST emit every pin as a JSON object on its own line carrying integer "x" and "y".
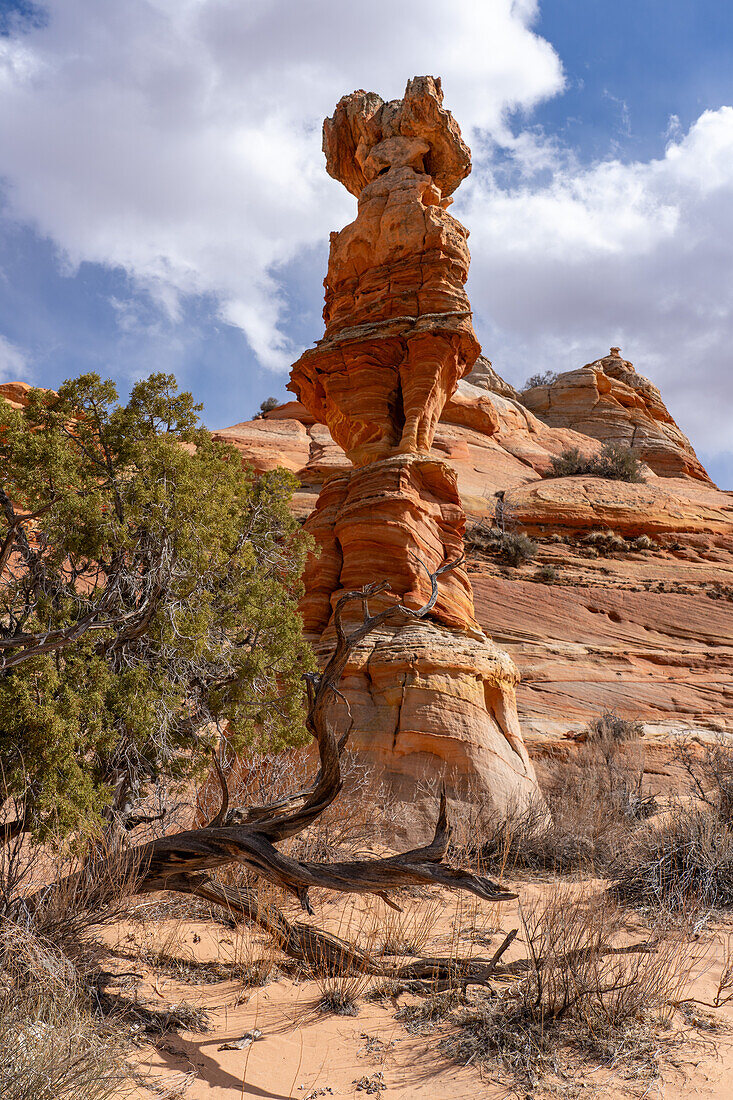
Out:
{"x": 393, "y": 519}
{"x": 646, "y": 632}
{"x": 435, "y": 699}
{"x": 16, "y": 393}
{"x": 430, "y": 705}
{"x": 398, "y": 321}
{"x": 609, "y": 401}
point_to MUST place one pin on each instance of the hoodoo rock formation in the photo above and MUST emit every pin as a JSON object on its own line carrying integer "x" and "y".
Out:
{"x": 647, "y": 632}
{"x": 433, "y": 699}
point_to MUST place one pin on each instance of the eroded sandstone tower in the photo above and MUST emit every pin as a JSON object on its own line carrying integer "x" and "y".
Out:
{"x": 434, "y": 698}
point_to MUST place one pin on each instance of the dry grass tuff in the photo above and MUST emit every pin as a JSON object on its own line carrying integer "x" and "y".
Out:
{"x": 582, "y": 991}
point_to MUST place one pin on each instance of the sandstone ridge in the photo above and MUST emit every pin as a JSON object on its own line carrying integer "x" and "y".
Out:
{"x": 648, "y": 632}
{"x": 607, "y": 400}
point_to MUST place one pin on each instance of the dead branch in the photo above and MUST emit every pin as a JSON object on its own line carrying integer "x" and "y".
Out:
{"x": 183, "y": 862}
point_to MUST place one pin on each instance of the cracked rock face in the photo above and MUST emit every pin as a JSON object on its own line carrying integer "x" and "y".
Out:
{"x": 432, "y": 701}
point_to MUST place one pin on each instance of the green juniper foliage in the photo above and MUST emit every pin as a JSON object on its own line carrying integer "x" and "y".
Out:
{"x": 148, "y": 596}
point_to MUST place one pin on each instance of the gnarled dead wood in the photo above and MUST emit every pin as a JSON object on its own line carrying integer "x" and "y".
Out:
{"x": 182, "y": 862}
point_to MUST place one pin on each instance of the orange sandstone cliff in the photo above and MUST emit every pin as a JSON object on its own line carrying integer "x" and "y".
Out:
{"x": 643, "y": 625}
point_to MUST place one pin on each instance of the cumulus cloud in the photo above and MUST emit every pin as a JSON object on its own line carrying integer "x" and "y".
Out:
{"x": 180, "y": 139}
{"x": 633, "y": 254}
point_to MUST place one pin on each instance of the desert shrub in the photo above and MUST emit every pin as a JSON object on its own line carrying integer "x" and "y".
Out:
{"x": 267, "y": 406}
{"x": 547, "y": 574}
{"x": 51, "y": 1046}
{"x": 541, "y": 378}
{"x": 709, "y": 766}
{"x": 482, "y": 536}
{"x": 346, "y": 829}
{"x": 408, "y": 930}
{"x": 610, "y": 728}
{"x": 341, "y": 984}
{"x": 683, "y": 861}
{"x": 581, "y": 992}
{"x": 516, "y": 549}
{"x": 592, "y": 803}
{"x": 606, "y": 541}
{"x": 615, "y": 462}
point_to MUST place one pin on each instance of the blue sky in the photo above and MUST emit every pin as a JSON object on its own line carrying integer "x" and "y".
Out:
{"x": 164, "y": 204}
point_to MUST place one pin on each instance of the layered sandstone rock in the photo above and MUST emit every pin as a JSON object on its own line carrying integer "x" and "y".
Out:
{"x": 647, "y": 632}
{"x": 398, "y": 321}
{"x": 609, "y": 401}
{"x": 15, "y": 393}
{"x": 435, "y": 699}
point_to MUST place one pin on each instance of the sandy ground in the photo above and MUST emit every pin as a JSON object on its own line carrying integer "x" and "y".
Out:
{"x": 306, "y": 1053}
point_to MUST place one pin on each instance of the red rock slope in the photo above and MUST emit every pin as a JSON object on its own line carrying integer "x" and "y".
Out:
{"x": 647, "y": 631}
{"x": 609, "y": 401}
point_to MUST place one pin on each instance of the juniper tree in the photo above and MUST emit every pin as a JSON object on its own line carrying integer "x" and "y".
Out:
{"x": 148, "y": 589}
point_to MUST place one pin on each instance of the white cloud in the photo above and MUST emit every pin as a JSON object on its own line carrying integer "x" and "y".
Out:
{"x": 180, "y": 139}
{"x": 638, "y": 254}
{"x": 13, "y": 362}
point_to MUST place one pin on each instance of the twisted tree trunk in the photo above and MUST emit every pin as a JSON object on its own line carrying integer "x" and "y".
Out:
{"x": 182, "y": 862}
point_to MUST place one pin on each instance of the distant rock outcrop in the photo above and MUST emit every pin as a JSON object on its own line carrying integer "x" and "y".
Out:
{"x": 607, "y": 400}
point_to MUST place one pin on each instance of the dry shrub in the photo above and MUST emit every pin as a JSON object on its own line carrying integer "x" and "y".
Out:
{"x": 578, "y": 992}
{"x": 609, "y": 729}
{"x": 51, "y": 1047}
{"x": 592, "y": 803}
{"x": 514, "y": 548}
{"x": 709, "y": 766}
{"x": 685, "y": 859}
{"x": 540, "y": 378}
{"x": 406, "y": 932}
{"x": 615, "y": 462}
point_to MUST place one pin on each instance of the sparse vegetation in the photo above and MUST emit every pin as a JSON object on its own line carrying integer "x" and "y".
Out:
{"x": 267, "y": 406}
{"x": 547, "y": 574}
{"x": 541, "y": 378}
{"x": 681, "y": 861}
{"x": 582, "y": 992}
{"x": 514, "y": 548}
{"x": 616, "y": 463}
{"x": 684, "y": 859}
{"x": 610, "y": 728}
{"x": 609, "y": 542}
{"x": 592, "y": 802}
{"x": 51, "y": 1045}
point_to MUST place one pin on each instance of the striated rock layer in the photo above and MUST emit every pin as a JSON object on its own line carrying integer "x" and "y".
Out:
{"x": 648, "y": 632}
{"x": 609, "y": 401}
{"x": 434, "y": 699}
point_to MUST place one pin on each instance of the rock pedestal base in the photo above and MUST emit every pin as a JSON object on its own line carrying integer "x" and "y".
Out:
{"x": 432, "y": 700}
